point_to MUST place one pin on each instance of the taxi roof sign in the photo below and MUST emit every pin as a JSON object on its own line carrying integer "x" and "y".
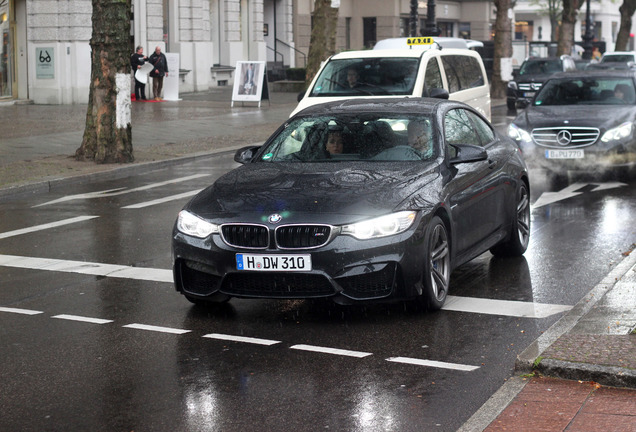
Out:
{"x": 419, "y": 41}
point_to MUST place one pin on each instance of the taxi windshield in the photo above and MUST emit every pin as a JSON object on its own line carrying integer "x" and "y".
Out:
{"x": 367, "y": 77}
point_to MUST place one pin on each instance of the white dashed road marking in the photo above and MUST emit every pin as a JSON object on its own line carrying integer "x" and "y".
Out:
{"x": 333, "y": 351}
{"x": 157, "y": 328}
{"x": 82, "y": 319}
{"x": 243, "y": 339}
{"x": 45, "y": 226}
{"x": 163, "y": 200}
{"x": 89, "y": 268}
{"x": 432, "y": 363}
{"x": 121, "y": 191}
{"x": 503, "y": 307}
{"x": 20, "y": 311}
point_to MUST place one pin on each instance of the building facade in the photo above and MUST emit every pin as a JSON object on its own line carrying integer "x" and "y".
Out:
{"x": 46, "y": 51}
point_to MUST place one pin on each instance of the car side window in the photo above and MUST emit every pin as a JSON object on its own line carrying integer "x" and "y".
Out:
{"x": 459, "y": 129}
{"x": 433, "y": 77}
{"x": 485, "y": 132}
{"x": 462, "y": 72}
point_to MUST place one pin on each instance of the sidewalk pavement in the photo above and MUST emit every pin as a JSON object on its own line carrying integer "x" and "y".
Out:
{"x": 580, "y": 375}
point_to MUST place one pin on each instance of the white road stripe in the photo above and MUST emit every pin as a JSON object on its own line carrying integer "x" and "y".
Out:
{"x": 503, "y": 307}
{"x": 333, "y": 351}
{"x": 157, "y": 328}
{"x": 82, "y": 319}
{"x": 163, "y": 200}
{"x": 433, "y": 363}
{"x": 241, "y": 339}
{"x": 453, "y": 303}
{"x": 45, "y": 226}
{"x": 82, "y": 267}
{"x": 120, "y": 191}
{"x": 20, "y": 311}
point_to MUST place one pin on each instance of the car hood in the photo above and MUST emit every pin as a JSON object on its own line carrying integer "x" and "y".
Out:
{"x": 298, "y": 189}
{"x": 576, "y": 115}
{"x": 533, "y": 78}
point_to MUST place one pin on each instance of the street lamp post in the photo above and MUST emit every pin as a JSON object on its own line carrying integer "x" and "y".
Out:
{"x": 413, "y": 19}
{"x": 588, "y": 36}
{"x": 431, "y": 27}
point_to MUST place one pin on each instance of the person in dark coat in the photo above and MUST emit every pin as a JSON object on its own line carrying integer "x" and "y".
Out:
{"x": 137, "y": 60}
{"x": 160, "y": 63}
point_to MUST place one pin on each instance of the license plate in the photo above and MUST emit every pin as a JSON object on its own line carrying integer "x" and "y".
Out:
{"x": 565, "y": 154}
{"x": 529, "y": 94}
{"x": 285, "y": 263}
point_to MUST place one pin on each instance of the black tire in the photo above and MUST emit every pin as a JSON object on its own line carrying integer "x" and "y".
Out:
{"x": 437, "y": 266}
{"x": 519, "y": 237}
{"x": 511, "y": 104}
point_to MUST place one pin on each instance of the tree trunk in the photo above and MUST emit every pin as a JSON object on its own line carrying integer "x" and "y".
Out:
{"x": 108, "y": 132}
{"x": 566, "y": 31}
{"x": 323, "y": 37}
{"x": 627, "y": 11}
{"x": 502, "y": 48}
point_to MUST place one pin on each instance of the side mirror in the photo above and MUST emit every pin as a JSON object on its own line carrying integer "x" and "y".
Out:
{"x": 438, "y": 93}
{"x": 300, "y": 96}
{"x": 468, "y": 153}
{"x": 245, "y": 154}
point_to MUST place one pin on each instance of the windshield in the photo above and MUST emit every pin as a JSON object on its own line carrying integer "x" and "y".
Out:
{"x": 589, "y": 91}
{"x": 540, "y": 66}
{"x": 367, "y": 76}
{"x": 386, "y": 137}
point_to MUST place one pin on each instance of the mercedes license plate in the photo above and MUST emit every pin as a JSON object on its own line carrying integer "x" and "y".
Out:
{"x": 529, "y": 94}
{"x": 565, "y": 154}
{"x": 285, "y": 263}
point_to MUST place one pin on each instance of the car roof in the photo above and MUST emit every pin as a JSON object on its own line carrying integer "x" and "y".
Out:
{"x": 618, "y": 53}
{"x": 369, "y": 105}
{"x": 401, "y": 52}
{"x": 596, "y": 73}
{"x": 443, "y": 42}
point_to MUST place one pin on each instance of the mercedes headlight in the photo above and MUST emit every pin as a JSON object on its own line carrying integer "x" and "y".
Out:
{"x": 512, "y": 85}
{"x": 383, "y": 226}
{"x": 518, "y": 134}
{"x": 618, "y": 133}
{"x": 194, "y": 226}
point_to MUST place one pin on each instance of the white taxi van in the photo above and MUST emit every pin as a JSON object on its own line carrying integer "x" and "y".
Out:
{"x": 409, "y": 67}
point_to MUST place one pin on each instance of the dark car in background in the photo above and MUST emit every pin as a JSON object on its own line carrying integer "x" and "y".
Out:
{"x": 534, "y": 71}
{"x": 581, "y": 121}
{"x": 415, "y": 188}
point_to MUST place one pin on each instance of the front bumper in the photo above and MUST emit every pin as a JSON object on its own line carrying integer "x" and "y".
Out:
{"x": 594, "y": 158}
{"x": 346, "y": 269}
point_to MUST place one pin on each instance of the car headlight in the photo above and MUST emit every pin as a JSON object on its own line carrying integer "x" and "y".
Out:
{"x": 512, "y": 85}
{"x": 518, "y": 134}
{"x": 383, "y": 226}
{"x": 618, "y": 133}
{"x": 194, "y": 226}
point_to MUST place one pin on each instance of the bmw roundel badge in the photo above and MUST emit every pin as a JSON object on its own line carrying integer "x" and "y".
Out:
{"x": 275, "y": 218}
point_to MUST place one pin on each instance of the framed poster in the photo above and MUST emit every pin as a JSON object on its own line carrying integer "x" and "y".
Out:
{"x": 248, "y": 84}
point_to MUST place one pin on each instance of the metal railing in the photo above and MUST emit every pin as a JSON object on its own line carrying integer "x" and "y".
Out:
{"x": 297, "y": 50}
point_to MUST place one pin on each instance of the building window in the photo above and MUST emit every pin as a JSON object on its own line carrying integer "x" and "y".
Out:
{"x": 369, "y": 32}
{"x": 523, "y": 30}
{"x": 464, "y": 30}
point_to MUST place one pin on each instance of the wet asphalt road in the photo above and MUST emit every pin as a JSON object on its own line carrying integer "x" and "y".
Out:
{"x": 86, "y": 346}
